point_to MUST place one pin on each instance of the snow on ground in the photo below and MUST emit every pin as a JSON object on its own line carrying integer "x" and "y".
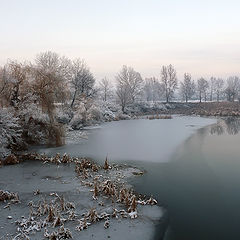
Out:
{"x": 27, "y": 177}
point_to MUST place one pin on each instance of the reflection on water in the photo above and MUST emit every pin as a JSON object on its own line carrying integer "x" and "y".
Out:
{"x": 200, "y": 186}
{"x": 229, "y": 125}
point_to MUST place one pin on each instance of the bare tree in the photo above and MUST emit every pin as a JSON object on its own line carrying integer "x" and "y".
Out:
{"x": 233, "y": 87}
{"x": 134, "y": 82}
{"x": 212, "y": 87}
{"x": 187, "y": 88}
{"x": 153, "y": 89}
{"x": 219, "y": 87}
{"x": 202, "y": 87}
{"x": 16, "y": 76}
{"x": 123, "y": 95}
{"x": 148, "y": 89}
{"x": 52, "y": 62}
{"x": 129, "y": 86}
{"x": 105, "y": 89}
{"x": 169, "y": 80}
{"x": 82, "y": 81}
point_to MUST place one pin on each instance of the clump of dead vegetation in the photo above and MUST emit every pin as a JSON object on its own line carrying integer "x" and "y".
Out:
{"x": 103, "y": 186}
{"x": 10, "y": 160}
{"x": 159, "y": 117}
{"x": 106, "y": 165}
{"x": 47, "y": 214}
{"x": 5, "y": 195}
{"x": 57, "y": 159}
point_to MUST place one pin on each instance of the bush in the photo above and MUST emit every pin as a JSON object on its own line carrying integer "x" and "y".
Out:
{"x": 10, "y": 133}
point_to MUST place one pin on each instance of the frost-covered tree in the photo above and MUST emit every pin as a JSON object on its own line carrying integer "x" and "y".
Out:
{"x": 123, "y": 94}
{"x": 212, "y": 87}
{"x": 187, "y": 87}
{"x": 82, "y": 81}
{"x": 15, "y": 75}
{"x": 169, "y": 80}
{"x": 10, "y": 133}
{"x": 54, "y": 63}
{"x": 233, "y": 87}
{"x": 105, "y": 89}
{"x": 148, "y": 89}
{"x": 219, "y": 88}
{"x": 50, "y": 73}
{"x": 153, "y": 89}
{"x": 50, "y": 78}
{"x": 5, "y": 92}
{"x": 129, "y": 86}
{"x": 202, "y": 87}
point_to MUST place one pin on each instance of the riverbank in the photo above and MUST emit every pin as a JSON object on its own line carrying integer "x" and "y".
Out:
{"x": 20, "y": 130}
{"x": 71, "y": 197}
{"x": 221, "y": 109}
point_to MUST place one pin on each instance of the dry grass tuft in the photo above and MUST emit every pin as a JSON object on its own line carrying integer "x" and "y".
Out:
{"x": 10, "y": 160}
{"x": 159, "y": 117}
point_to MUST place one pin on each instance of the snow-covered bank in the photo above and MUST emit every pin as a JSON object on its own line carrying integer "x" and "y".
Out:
{"x": 46, "y": 185}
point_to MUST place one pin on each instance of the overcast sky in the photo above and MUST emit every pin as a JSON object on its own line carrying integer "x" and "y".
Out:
{"x": 197, "y": 36}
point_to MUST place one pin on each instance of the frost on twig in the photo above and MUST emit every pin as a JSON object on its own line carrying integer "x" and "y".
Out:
{"x": 95, "y": 192}
{"x": 106, "y": 224}
{"x": 151, "y": 201}
{"x": 83, "y": 224}
{"x": 62, "y": 233}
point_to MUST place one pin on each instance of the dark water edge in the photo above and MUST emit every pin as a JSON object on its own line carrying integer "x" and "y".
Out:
{"x": 200, "y": 185}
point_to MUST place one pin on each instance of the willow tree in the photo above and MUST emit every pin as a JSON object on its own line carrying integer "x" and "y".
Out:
{"x": 51, "y": 74}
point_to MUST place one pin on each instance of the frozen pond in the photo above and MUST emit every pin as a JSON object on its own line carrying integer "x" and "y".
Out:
{"x": 178, "y": 157}
{"x": 135, "y": 140}
{"x": 192, "y": 166}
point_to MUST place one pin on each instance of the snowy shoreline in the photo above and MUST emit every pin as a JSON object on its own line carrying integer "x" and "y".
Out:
{"x": 40, "y": 182}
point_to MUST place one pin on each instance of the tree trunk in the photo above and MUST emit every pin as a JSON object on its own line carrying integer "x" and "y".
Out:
{"x": 166, "y": 96}
{"x": 74, "y": 97}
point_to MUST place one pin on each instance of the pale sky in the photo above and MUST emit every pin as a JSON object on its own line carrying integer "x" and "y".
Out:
{"x": 196, "y": 36}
